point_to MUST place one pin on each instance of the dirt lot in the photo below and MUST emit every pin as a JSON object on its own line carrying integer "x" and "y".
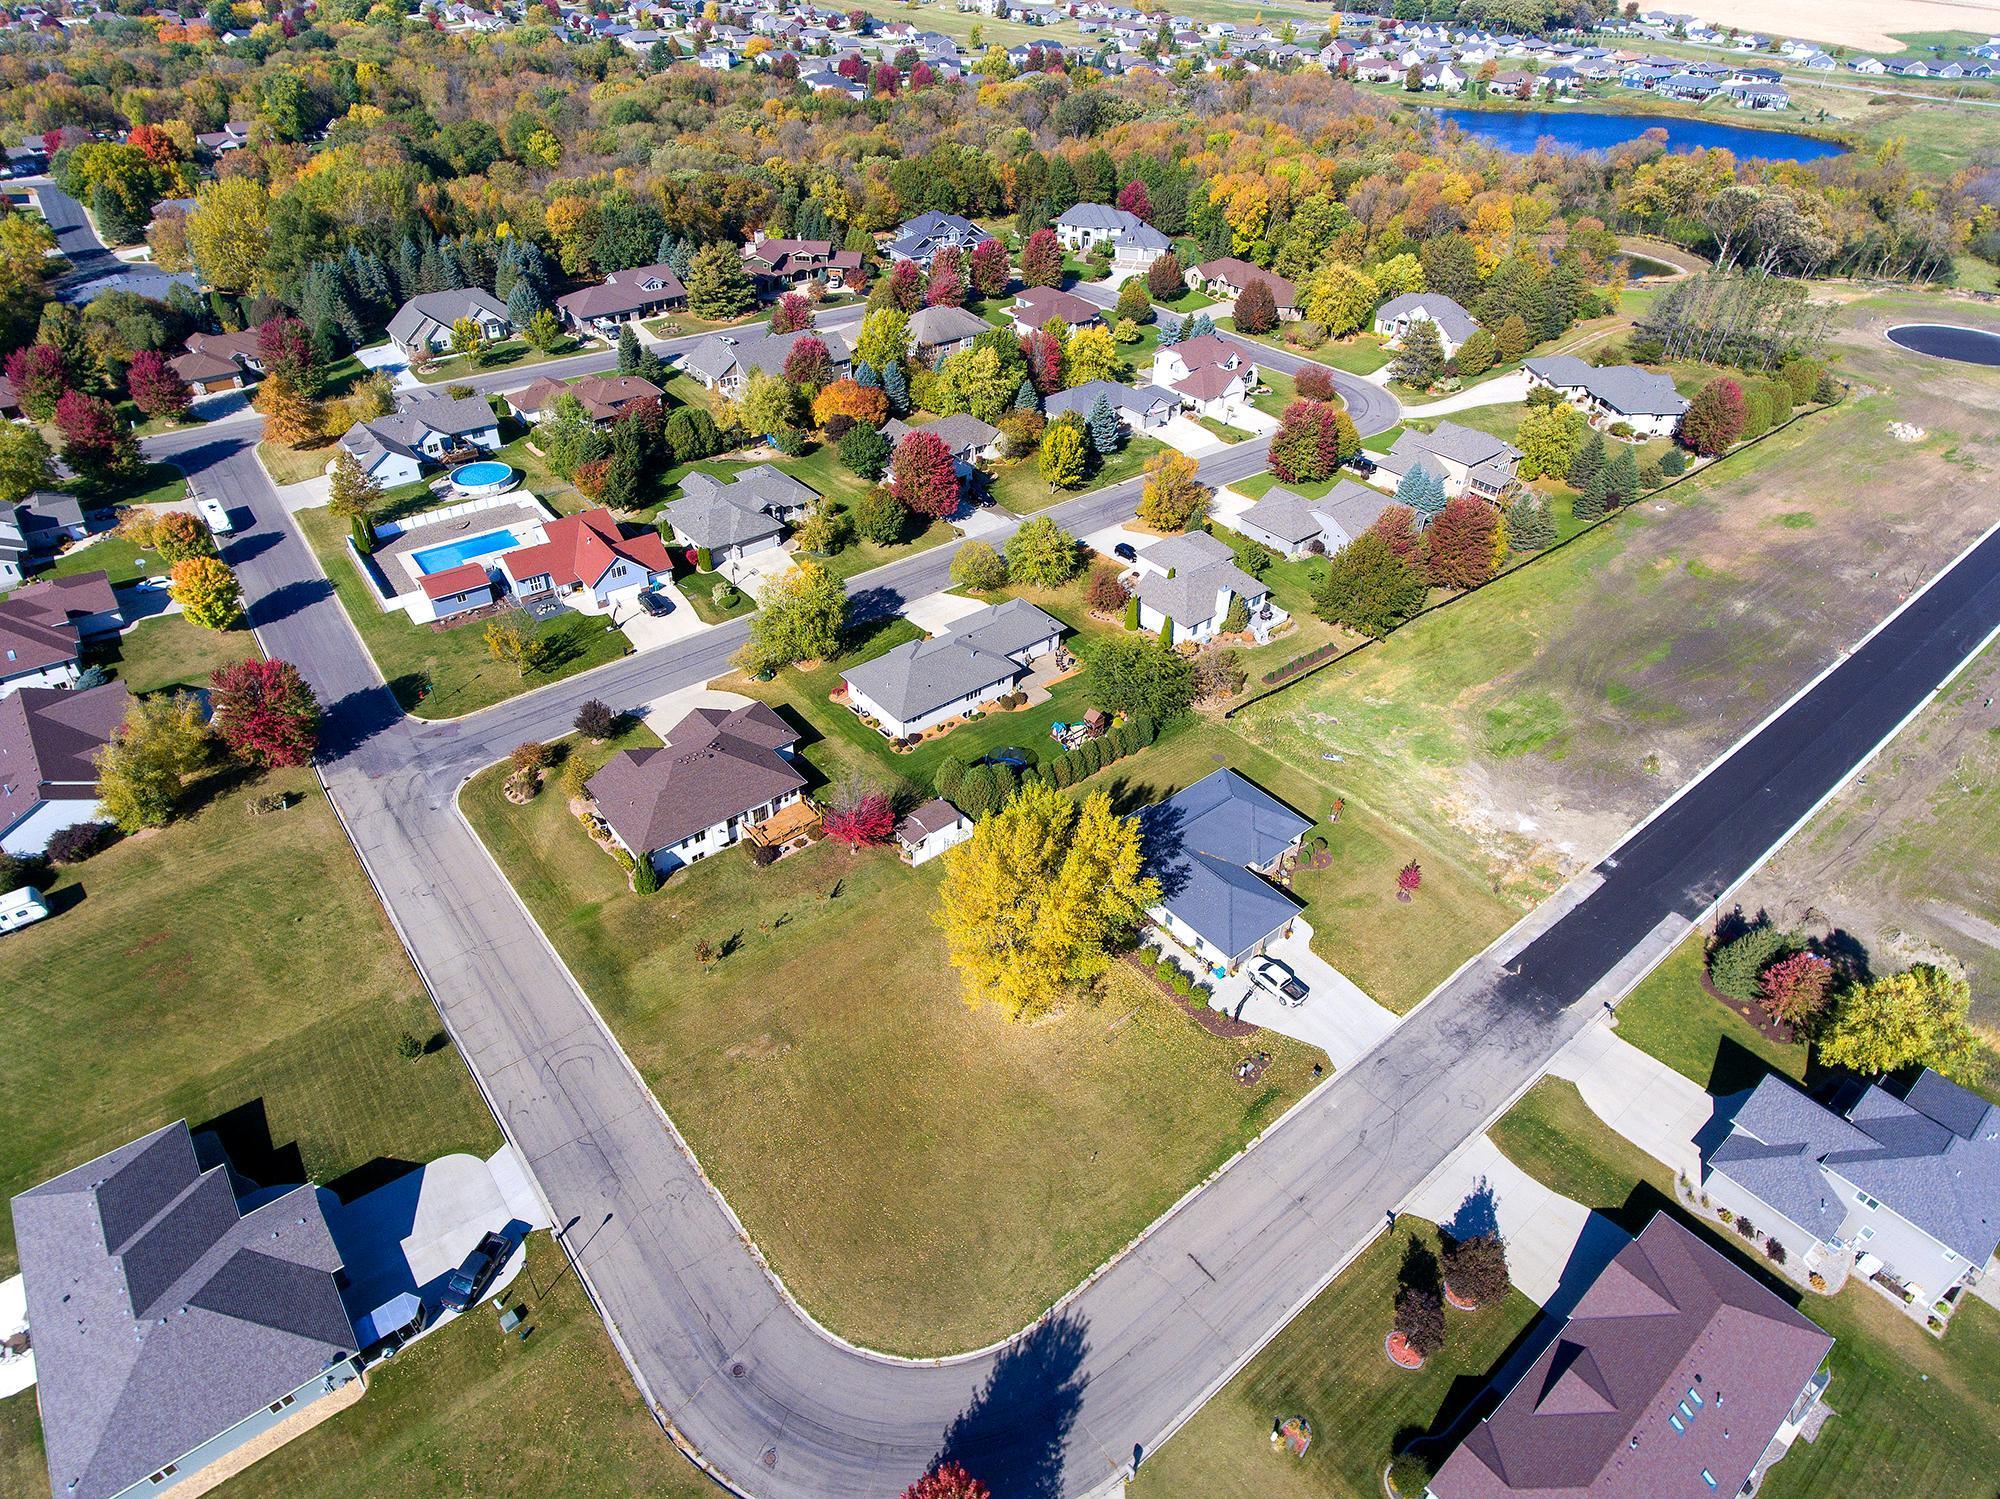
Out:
{"x": 1524, "y": 729}
{"x": 1865, "y": 24}
{"x": 1907, "y": 859}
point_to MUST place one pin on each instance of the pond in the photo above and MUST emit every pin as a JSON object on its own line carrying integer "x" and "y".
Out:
{"x": 1598, "y": 130}
{"x": 1641, "y": 267}
{"x": 1948, "y": 341}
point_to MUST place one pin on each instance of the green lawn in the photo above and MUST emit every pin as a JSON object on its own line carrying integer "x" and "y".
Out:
{"x": 444, "y": 673}
{"x": 1912, "y": 1414}
{"x": 946, "y": 1174}
{"x": 1328, "y": 1366}
{"x": 237, "y": 966}
{"x": 1018, "y": 486}
{"x": 514, "y": 353}
{"x": 167, "y": 651}
{"x": 1281, "y": 391}
{"x": 289, "y": 465}
{"x": 699, "y": 590}
{"x": 119, "y": 560}
{"x": 1671, "y": 1016}
{"x": 150, "y": 484}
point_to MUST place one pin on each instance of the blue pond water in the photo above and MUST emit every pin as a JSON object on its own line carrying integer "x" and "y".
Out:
{"x": 1946, "y": 341}
{"x": 474, "y": 475}
{"x": 436, "y": 559}
{"x": 1598, "y": 130}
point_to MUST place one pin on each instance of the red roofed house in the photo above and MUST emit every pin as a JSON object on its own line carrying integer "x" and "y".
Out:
{"x": 586, "y": 560}
{"x": 1225, "y": 278}
{"x": 604, "y": 398}
{"x": 1676, "y": 1375}
{"x": 622, "y": 297}
{"x": 1212, "y": 375}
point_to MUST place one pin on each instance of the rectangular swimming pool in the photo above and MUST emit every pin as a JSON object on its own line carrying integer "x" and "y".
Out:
{"x": 451, "y": 553}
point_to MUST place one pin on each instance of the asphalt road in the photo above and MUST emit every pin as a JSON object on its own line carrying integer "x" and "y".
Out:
{"x": 737, "y": 1370}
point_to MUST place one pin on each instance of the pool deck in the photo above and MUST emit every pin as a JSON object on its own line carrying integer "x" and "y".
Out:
{"x": 395, "y": 554}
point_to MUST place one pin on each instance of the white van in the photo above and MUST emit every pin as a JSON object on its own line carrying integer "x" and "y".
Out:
{"x": 216, "y": 514}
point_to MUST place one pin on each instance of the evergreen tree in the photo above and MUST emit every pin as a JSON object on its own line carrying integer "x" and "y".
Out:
{"x": 1530, "y": 527}
{"x": 1198, "y": 326}
{"x": 1592, "y": 502}
{"x": 1422, "y": 492}
{"x": 628, "y": 350}
{"x": 897, "y": 387}
{"x": 1420, "y": 360}
{"x": 865, "y": 376}
{"x": 1170, "y": 332}
{"x": 1588, "y": 460}
{"x": 1621, "y": 477}
{"x": 1103, "y": 427}
{"x": 1024, "y": 396}
{"x": 522, "y": 304}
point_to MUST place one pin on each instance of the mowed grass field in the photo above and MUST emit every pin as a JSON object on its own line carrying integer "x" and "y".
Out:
{"x": 925, "y": 1177}
{"x": 1912, "y": 1413}
{"x": 226, "y": 965}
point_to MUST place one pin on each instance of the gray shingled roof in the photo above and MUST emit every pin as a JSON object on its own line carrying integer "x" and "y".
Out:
{"x": 921, "y": 676}
{"x": 715, "y": 764}
{"x": 443, "y": 308}
{"x": 1097, "y": 216}
{"x": 1624, "y": 388}
{"x": 961, "y": 432}
{"x": 1342, "y": 514}
{"x": 1200, "y": 566}
{"x": 932, "y": 326}
{"x": 756, "y": 349}
{"x": 1138, "y": 399}
{"x": 161, "y": 1317}
{"x": 747, "y": 507}
{"x": 1450, "y": 441}
{"x": 1201, "y": 844}
{"x": 1453, "y": 320}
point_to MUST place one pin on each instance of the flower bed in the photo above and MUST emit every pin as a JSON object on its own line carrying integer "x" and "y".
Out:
{"x": 1401, "y": 1354}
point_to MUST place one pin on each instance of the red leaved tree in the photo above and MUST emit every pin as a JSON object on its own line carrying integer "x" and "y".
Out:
{"x": 905, "y": 287}
{"x": 921, "y": 76}
{"x": 39, "y": 374}
{"x": 792, "y": 313}
{"x": 1794, "y": 990}
{"x": 284, "y": 347}
{"x": 883, "y": 80}
{"x": 1461, "y": 544}
{"x": 1135, "y": 200}
{"x": 1256, "y": 308}
{"x": 1042, "y": 259}
{"x": 1408, "y": 879}
{"x": 808, "y": 365}
{"x": 1164, "y": 278}
{"x": 988, "y": 267}
{"x": 948, "y": 1481}
{"x": 265, "y": 711}
{"x": 946, "y": 288}
{"x": 1314, "y": 382}
{"x": 860, "y": 819}
{"x": 1312, "y": 440}
{"x": 1044, "y": 354}
{"x": 1397, "y": 526}
{"x": 156, "y": 387}
{"x": 1714, "y": 418}
{"x": 93, "y": 441}
{"x": 926, "y": 479}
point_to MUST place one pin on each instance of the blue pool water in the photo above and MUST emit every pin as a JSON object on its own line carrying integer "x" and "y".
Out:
{"x": 474, "y": 475}
{"x": 436, "y": 559}
{"x": 1598, "y": 130}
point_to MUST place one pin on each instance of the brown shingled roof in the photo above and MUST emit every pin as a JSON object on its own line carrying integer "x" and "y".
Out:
{"x": 716, "y": 764}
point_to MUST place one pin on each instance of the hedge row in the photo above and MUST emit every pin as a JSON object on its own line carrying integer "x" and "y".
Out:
{"x": 1306, "y": 662}
{"x": 1093, "y": 755}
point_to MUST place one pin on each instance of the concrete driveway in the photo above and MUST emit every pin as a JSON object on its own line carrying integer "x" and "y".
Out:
{"x": 1639, "y": 1096}
{"x": 1498, "y": 391}
{"x": 1189, "y": 437}
{"x": 649, "y": 631}
{"x": 754, "y": 573}
{"x": 936, "y": 612}
{"x": 1337, "y": 1016}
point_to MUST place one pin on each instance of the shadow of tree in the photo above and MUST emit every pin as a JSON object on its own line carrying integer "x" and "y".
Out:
{"x": 1014, "y": 1434}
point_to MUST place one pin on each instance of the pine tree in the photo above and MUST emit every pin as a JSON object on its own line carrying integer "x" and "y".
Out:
{"x": 1588, "y": 460}
{"x": 628, "y": 350}
{"x": 522, "y": 304}
{"x": 1422, "y": 492}
{"x": 1621, "y": 477}
{"x": 865, "y": 376}
{"x": 1530, "y": 527}
{"x": 897, "y": 387}
{"x": 1170, "y": 333}
{"x": 1592, "y": 502}
{"x": 1024, "y": 396}
{"x": 1103, "y": 427}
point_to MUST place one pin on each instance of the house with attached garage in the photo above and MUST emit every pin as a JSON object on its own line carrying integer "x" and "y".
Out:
{"x": 1216, "y": 848}
{"x": 49, "y": 739}
{"x": 34, "y": 529}
{"x": 1294, "y": 526}
{"x": 923, "y": 683}
{"x": 1186, "y": 585}
{"x": 1902, "y": 1181}
{"x": 724, "y": 362}
{"x": 720, "y": 773}
{"x": 1675, "y": 1373}
{"x": 622, "y": 297}
{"x": 1645, "y": 401}
{"x": 178, "y": 1335}
{"x": 1225, "y": 278}
{"x": 937, "y": 333}
{"x": 1395, "y": 317}
{"x": 777, "y": 265}
{"x": 604, "y": 398}
{"x": 965, "y": 436}
{"x": 1035, "y": 305}
{"x": 1462, "y": 460}
{"x": 44, "y": 627}
{"x": 1212, "y": 376}
{"x": 1082, "y": 227}
{"x": 1139, "y": 408}
{"x": 920, "y": 238}
{"x": 422, "y": 325}
{"x": 729, "y": 519}
{"x": 219, "y": 361}
{"x": 586, "y": 561}
{"x": 428, "y": 429}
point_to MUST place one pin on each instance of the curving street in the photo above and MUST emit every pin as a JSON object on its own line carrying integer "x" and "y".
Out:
{"x": 770, "y": 1402}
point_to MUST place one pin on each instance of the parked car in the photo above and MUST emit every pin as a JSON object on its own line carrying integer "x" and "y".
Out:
{"x": 1124, "y": 552}
{"x": 469, "y": 1280}
{"x": 216, "y": 514}
{"x": 1362, "y": 464}
{"x": 1280, "y": 980}
{"x": 655, "y": 605}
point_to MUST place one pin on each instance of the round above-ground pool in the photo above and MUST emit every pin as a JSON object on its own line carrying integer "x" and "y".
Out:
{"x": 488, "y": 476}
{"x": 1948, "y": 341}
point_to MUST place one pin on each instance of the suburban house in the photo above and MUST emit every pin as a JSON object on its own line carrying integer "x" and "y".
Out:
{"x": 233, "y": 136}
{"x": 724, "y": 361}
{"x": 1225, "y": 278}
{"x": 1215, "y": 847}
{"x": 36, "y": 528}
{"x": 731, "y": 518}
{"x": 49, "y": 739}
{"x": 172, "y": 1329}
{"x": 1135, "y": 244}
{"x": 922, "y": 683}
{"x": 1211, "y": 375}
{"x": 585, "y": 561}
{"x": 719, "y": 773}
{"x": 621, "y": 297}
{"x": 1395, "y": 317}
{"x": 968, "y": 438}
{"x": 1675, "y": 1373}
{"x": 1139, "y": 408}
{"x": 1899, "y": 1182}
{"x": 423, "y": 324}
{"x": 920, "y": 238}
{"x": 1294, "y": 526}
{"x": 936, "y": 333}
{"x": 14, "y": 555}
{"x": 43, "y": 627}
{"x": 604, "y": 398}
{"x": 219, "y": 361}
{"x": 931, "y": 829}
{"x": 1190, "y": 581}
{"x": 393, "y": 449}
{"x": 1644, "y": 401}
{"x": 1463, "y": 460}
{"x": 1035, "y": 305}
{"x": 777, "y": 265}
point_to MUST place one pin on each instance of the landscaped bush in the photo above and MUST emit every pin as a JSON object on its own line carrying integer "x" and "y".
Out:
{"x": 1774, "y": 1251}
{"x": 1746, "y": 1228}
{"x": 1410, "y": 1474}
{"x": 77, "y": 842}
{"x": 1736, "y": 968}
{"x": 1301, "y": 663}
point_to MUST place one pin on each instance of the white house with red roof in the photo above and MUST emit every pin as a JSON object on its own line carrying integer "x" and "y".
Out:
{"x": 585, "y": 561}
{"x": 1212, "y": 375}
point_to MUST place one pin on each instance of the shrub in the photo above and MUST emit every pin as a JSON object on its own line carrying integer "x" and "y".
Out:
{"x": 1103, "y": 592}
{"x": 595, "y": 720}
{"x": 1746, "y": 1228}
{"x": 1476, "y": 1268}
{"x": 1420, "y": 1319}
{"x": 645, "y": 877}
{"x": 1794, "y": 990}
{"x": 1736, "y": 968}
{"x": 1142, "y": 730}
{"x": 1672, "y": 464}
{"x": 1410, "y": 1473}
{"x": 78, "y": 841}
{"x": 1774, "y": 1251}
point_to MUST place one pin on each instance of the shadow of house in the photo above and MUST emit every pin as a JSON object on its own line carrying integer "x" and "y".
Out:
{"x": 1015, "y": 1433}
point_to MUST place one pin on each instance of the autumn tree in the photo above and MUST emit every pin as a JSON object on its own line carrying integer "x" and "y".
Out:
{"x": 924, "y": 477}
{"x": 511, "y": 640}
{"x": 977, "y": 567}
{"x": 1420, "y": 1319}
{"x": 143, "y": 771}
{"x": 40, "y": 375}
{"x": 1714, "y": 418}
{"x": 228, "y": 233}
{"x": 207, "y": 591}
{"x": 948, "y": 1481}
{"x": 1135, "y": 200}
{"x": 353, "y": 493}
{"x": 1174, "y": 498}
{"x": 800, "y": 616}
{"x": 1313, "y": 439}
{"x": 1039, "y": 897}
{"x": 1041, "y": 554}
{"x": 1549, "y": 437}
{"x": 156, "y": 387}
{"x": 1368, "y": 588}
{"x": 884, "y": 338}
{"x": 94, "y": 441}
{"x": 1164, "y": 278}
{"x": 265, "y": 711}
{"x": 290, "y": 415}
{"x": 1089, "y": 354}
{"x": 987, "y": 268}
{"x": 1064, "y": 460}
{"x": 865, "y": 404}
{"x": 1917, "y": 1017}
{"x": 1339, "y": 297}
{"x": 178, "y": 535}
{"x": 26, "y": 464}
{"x": 1475, "y": 1269}
{"x": 1256, "y": 309}
{"x": 1042, "y": 259}
{"x": 859, "y": 818}
{"x": 1043, "y": 352}
{"x": 285, "y": 349}
{"x": 1461, "y": 546}
{"x": 1794, "y": 990}
{"x": 793, "y": 314}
